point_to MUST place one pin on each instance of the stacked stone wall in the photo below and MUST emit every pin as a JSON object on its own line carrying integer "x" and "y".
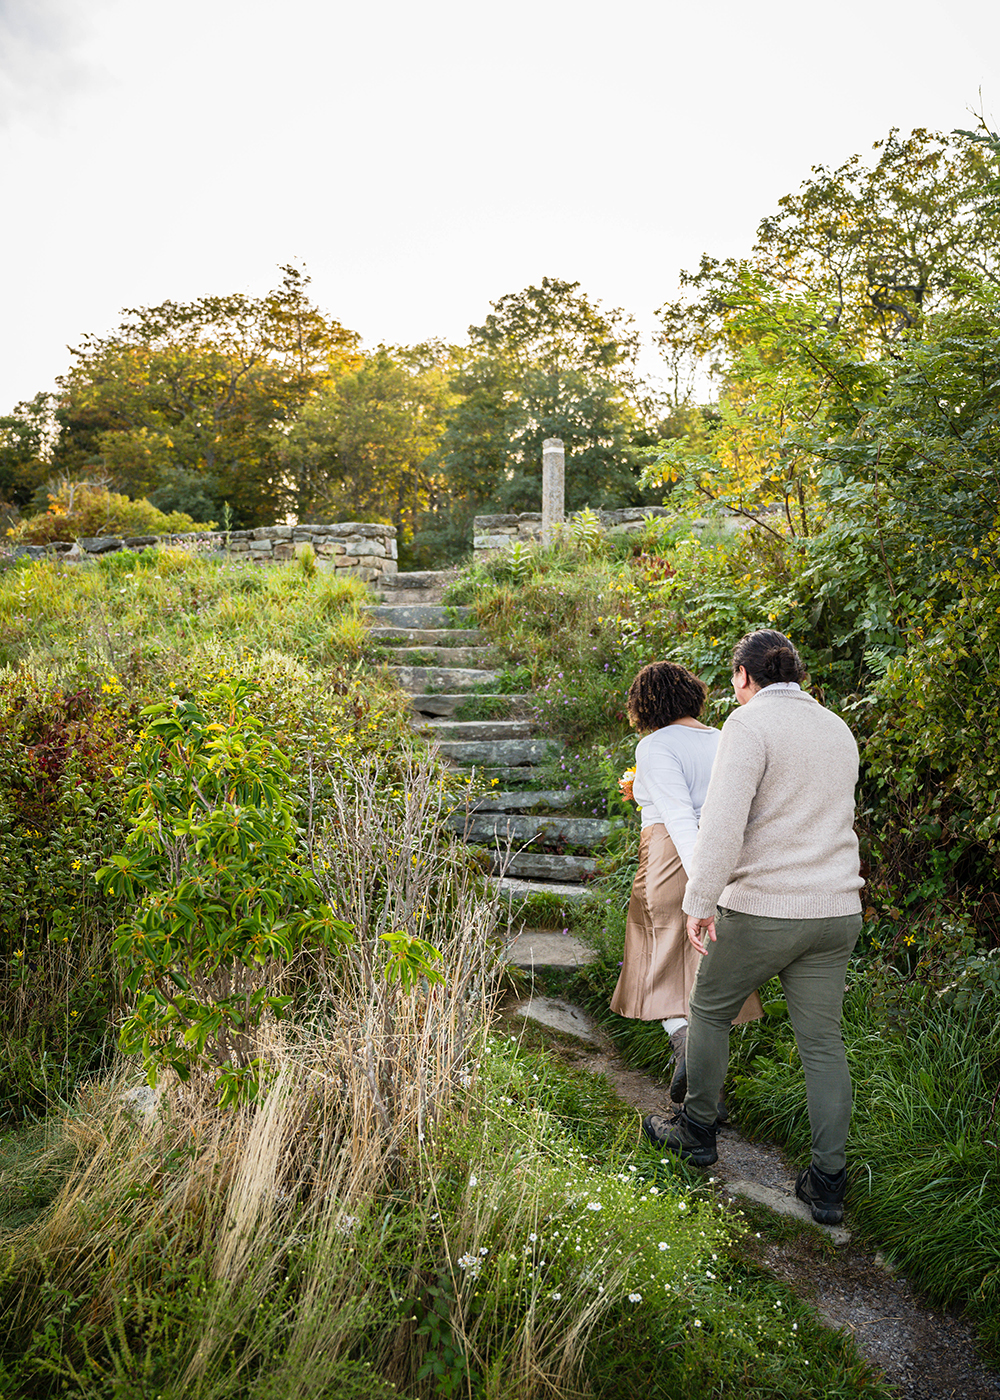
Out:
{"x": 491, "y": 532}
{"x": 367, "y": 551}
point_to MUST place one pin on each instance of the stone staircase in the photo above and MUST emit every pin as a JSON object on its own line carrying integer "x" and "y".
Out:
{"x": 538, "y": 844}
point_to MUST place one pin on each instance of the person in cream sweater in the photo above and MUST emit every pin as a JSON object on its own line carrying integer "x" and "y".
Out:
{"x": 773, "y": 890}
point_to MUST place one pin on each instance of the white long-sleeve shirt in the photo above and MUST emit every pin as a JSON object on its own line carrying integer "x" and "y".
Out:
{"x": 672, "y": 769}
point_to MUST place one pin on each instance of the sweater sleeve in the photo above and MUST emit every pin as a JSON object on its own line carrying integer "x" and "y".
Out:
{"x": 664, "y": 780}
{"x": 739, "y": 767}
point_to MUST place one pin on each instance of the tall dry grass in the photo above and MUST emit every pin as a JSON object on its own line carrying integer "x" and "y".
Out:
{"x": 307, "y": 1227}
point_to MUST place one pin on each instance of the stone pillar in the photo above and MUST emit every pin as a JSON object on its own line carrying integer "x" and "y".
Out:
{"x": 553, "y": 487}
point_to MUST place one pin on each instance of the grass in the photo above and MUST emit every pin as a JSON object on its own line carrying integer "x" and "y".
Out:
{"x": 146, "y": 614}
{"x": 922, "y": 1153}
{"x": 313, "y": 1244}
{"x": 296, "y": 1249}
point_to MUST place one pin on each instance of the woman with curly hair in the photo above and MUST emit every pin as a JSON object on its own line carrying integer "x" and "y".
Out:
{"x": 673, "y": 763}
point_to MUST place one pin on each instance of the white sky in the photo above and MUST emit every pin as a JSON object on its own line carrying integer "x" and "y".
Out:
{"x": 424, "y": 159}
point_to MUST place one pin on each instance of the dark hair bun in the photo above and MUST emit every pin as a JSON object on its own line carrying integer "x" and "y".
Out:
{"x": 779, "y": 664}
{"x": 768, "y": 657}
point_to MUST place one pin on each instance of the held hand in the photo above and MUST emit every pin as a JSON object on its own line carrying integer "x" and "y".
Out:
{"x": 700, "y": 930}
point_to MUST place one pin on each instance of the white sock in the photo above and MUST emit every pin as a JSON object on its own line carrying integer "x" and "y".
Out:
{"x": 673, "y": 1023}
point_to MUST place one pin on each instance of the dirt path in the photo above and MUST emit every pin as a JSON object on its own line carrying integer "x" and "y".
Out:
{"x": 927, "y": 1354}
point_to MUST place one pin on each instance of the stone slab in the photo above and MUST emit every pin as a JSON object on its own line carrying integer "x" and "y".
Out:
{"x": 784, "y": 1203}
{"x": 428, "y": 578}
{"x": 559, "y": 1016}
{"x": 504, "y": 777}
{"x": 543, "y": 867}
{"x": 523, "y": 801}
{"x": 420, "y": 679}
{"x": 417, "y": 614}
{"x": 520, "y": 889}
{"x": 101, "y": 544}
{"x": 490, "y": 752}
{"x": 534, "y": 947}
{"x": 443, "y": 730}
{"x": 429, "y": 636}
{"x": 408, "y": 597}
{"x": 436, "y": 705}
{"x": 488, "y": 829}
{"x": 442, "y": 656}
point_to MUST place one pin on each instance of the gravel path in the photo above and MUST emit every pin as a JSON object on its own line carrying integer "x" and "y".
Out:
{"x": 925, "y": 1353}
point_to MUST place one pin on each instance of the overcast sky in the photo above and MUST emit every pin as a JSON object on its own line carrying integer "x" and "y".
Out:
{"x": 421, "y": 160}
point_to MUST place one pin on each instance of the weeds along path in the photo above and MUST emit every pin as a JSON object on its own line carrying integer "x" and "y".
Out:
{"x": 926, "y": 1353}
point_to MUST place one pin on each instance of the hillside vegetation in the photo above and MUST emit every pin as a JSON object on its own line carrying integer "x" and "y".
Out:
{"x": 223, "y": 850}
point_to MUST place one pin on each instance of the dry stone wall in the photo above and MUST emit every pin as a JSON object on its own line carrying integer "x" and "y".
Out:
{"x": 491, "y": 532}
{"x": 367, "y": 551}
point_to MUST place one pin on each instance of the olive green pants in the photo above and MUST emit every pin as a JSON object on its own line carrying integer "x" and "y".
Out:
{"x": 810, "y": 957}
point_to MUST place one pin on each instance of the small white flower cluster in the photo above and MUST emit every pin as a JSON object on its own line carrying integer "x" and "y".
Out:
{"x": 471, "y": 1264}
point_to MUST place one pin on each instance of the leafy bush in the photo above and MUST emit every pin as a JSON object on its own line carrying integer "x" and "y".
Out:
{"x": 933, "y": 752}
{"x": 222, "y": 898}
{"x": 79, "y": 510}
{"x": 64, "y": 756}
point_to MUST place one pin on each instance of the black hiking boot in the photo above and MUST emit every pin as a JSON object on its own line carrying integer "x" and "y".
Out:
{"x": 823, "y": 1194}
{"x": 693, "y": 1141}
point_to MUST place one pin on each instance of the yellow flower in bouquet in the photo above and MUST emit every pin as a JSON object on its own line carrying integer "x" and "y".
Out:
{"x": 625, "y": 784}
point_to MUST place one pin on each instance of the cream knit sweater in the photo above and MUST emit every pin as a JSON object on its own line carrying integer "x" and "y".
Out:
{"x": 777, "y": 828}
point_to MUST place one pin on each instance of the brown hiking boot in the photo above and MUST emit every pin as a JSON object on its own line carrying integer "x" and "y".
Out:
{"x": 695, "y": 1142}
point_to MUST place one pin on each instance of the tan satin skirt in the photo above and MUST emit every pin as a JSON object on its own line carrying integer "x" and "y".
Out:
{"x": 660, "y": 965}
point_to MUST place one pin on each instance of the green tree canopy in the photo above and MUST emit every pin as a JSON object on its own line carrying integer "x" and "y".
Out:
{"x": 547, "y": 362}
{"x": 26, "y": 437}
{"x": 365, "y": 445}
{"x": 183, "y": 398}
{"x": 800, "y": 334}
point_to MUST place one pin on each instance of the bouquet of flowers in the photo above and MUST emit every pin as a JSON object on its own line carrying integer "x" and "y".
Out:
{"x": 625, "y": 784}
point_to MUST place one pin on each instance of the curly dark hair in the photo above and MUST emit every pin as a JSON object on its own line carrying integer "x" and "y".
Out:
{"x": 768, "y": 656}
{"x": 662, "y": 693}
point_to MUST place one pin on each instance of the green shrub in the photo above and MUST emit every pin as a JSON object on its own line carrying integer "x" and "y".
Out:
{"x": 213, "y": 866}
{"x": 78, "y": 511}
{"x": 63, "y": 760}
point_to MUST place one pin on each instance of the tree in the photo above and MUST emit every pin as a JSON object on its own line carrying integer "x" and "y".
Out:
{"x": 365, "y": 446}
{"x": 547, "y": 362}
{"x": 26, "y": 437}
{"x": 799, "y": 335}
{"x": 183, "y": 397}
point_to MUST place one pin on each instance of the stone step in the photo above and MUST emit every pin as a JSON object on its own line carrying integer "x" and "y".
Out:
{"x": 441, "y": 706}
{"x": 403, "y": 590}
{"x": 423, "y": 578}
{"x": 507, "y": 777}
{"x": 417, "y": 615}
{"x": 417, "y": 679}
{"x": 522, "y": 801}
{"x": 444, "y": 729}
{"x": 489, "y": 829}
{"x": 441, "y": 656}
{"x": 429, "y": 636}
{"x": 560, "y": 1016}
{"x": 514, "y": 753}
{"x": 521, "y": 889}
{"x": 540, "y": 867}
{"x": 538, "y": 947}
{"x": 410, "y": 597}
